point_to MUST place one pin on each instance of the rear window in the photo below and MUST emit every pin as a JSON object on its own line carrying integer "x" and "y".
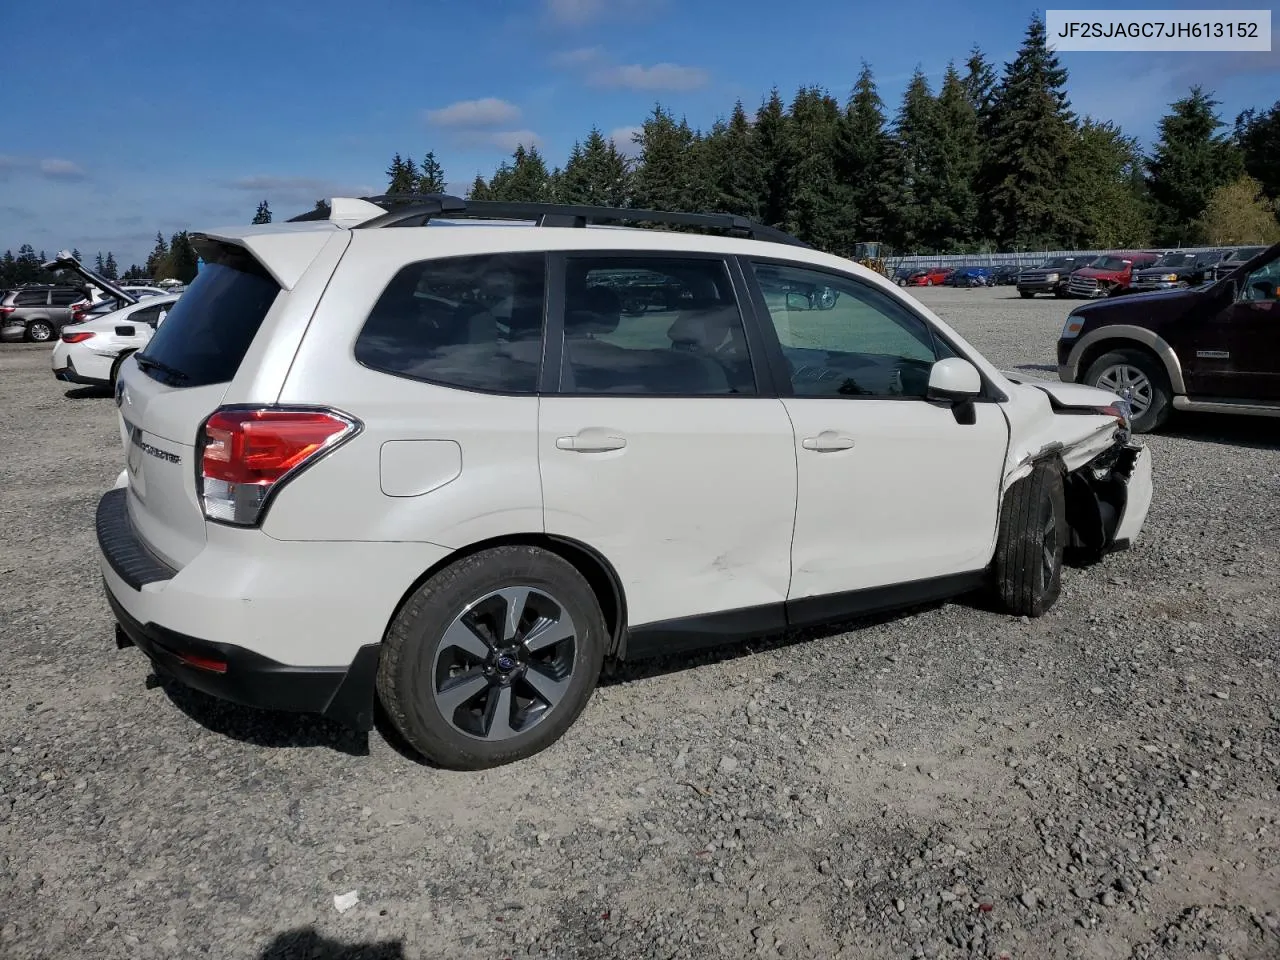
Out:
{"x": 208, "y": 331}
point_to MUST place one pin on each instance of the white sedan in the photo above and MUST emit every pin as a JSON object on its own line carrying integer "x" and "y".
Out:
{"x": 90, "y": 353}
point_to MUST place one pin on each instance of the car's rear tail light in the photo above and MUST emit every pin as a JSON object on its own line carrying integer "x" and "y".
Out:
{"x": 247, "y": 454}
{"x": 5, "y": 311}
{"x": 76, "y": 336}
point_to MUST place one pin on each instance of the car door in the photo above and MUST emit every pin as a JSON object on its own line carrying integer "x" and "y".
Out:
{"x": 1237, "y": 347}
{"x": 660, "y": 447}
{"x": 892, "y": 489}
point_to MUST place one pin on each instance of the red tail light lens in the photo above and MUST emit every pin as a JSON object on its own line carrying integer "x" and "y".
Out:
{"x": 5, "y": 311}
{"x": 78, "y": 336}
{"x": 245, "y": 454}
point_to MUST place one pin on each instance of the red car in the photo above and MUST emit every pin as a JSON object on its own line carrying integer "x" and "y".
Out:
{"x": 930, "y": 277}
{"x": 1109, "y": 274}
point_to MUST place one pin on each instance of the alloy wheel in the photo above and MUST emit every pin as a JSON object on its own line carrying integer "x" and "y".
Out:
{"x": 505, "y": 663}
{"x": 1124, "y": 376}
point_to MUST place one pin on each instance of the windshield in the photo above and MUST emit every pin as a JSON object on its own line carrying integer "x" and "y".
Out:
{"x": 1107, "y": 263}
{"x": 1176, "y": 260}
{"x": 1058, "y": 262}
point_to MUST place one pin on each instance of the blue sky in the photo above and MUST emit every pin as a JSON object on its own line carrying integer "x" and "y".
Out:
{"x": 134, "y": 116}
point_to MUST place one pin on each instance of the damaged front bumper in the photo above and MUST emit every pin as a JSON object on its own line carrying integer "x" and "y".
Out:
{"x": 1108, "y": 500}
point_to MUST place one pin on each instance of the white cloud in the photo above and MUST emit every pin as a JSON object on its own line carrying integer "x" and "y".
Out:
{"x": 51, "y": 168}
{"x": 659, "y": 76}
{"x": 54, "y": 168}
{"x": 578, "y": 57}
{"x": 506, "y": 140}
{"x": 309, "y": 189}
{"x": 622, "y": 138}
{"x": 485, "y": 112}
{"x": 575, "y": 12}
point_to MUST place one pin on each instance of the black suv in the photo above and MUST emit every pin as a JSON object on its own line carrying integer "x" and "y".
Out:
{"x": 36, "y": 312}
{"x": 1178, "y": 269}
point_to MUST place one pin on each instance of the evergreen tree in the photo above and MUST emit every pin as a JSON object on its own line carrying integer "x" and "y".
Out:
{"x": 98, "y": 266}
{"x": 27, "y": 265}
{"x": 915, "y": 134}
{"x": 1107, "y": 190}
{"x": 980, "y": 82}
{"x": 479, "y": 189}
{"x": 1191, "y": 160}
{"x": 110, "y": 269}
{"x": 264, "y": 213}
{"x": 814, "y": 204}
{"x": 771, "y": 134}
{"x": 955, "y": 166}
{"x": 734, "y": 167}
{"x": 1031, "y": 136}
{"x": 180, "y": 263}
{"x": 864, "y": 164}
{"x": 980, "y": 86}
{"x": 597, "y": 173}
{"x": 525, "y": 178}
{"x": 664, "y": 176}
{"x": 1258, "y": 135}
{"x": 402, "y": 175}
{"x": 76, "y": 254}
{"x": 8, "y": 269}
{"x": 159, "y": 253}
{"x": 430, "y": 175}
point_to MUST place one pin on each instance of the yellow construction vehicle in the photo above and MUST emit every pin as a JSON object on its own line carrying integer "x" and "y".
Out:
{"x": 871, "y": 255}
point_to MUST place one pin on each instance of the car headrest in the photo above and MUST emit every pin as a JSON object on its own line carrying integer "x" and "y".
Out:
{"x": 592, "y": 311}
{"x": 702, "y": 329}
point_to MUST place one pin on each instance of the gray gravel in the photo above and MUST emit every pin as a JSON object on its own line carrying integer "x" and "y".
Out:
{"x": 1104, "y": 781}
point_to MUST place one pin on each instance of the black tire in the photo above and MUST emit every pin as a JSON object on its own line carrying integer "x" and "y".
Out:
{"x": 409, "y": 670}
{"x": 1033, "y": 535}
{"x": 1026, "y": 294}
{"x": 115, "y": 367}
{"x": 40, "y": 331}
{"x": 1159, "y": 407}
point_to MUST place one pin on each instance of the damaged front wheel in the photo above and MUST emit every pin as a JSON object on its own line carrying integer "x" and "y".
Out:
{"x": 1033, "y": 535}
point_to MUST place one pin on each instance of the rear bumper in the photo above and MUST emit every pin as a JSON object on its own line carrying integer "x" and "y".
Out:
{"x": 276, "y": 624}
{"x": 68, "y": 374}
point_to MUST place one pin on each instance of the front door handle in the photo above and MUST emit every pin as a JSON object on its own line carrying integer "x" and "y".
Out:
{"x": 587, "y": 442}
{"x": 826, "y": 441}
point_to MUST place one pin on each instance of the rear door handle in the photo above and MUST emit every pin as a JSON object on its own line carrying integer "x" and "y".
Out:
{"x": 587, "y": 442}
{"x": 826, "y": 441}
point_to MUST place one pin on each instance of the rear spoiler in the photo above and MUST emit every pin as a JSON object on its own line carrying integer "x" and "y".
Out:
{"x": 65, "y": 261}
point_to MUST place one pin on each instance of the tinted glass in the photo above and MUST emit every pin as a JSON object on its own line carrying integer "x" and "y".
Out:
{"x": 148, "y": 315}
{"x": 32, "y": 298}
{"x": 653, "y": 326}
{"x": 471, "y": 322}
{"x": 64, "y": 298}
{"x": 208, "y": 332}
{"x": 842, "y": 338}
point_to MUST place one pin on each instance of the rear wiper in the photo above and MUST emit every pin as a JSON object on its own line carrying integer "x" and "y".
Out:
{"x": 147, "y": 363}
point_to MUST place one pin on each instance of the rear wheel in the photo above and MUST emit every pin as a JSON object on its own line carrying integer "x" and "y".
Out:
{"x": 1145, "y": 380}
{"x": 39, "y": 331}
{"x": 493, "y": 658}
{"x": 1033, "y": 535}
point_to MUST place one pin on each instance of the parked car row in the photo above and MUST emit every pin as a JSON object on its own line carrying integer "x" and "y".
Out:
{"x": 1113, "y": 274}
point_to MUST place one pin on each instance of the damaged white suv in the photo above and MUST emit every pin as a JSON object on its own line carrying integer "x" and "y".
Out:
{"x": 454, "y": 470}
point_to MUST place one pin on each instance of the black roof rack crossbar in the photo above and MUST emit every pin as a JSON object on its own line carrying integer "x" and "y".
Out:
{"x": 415, "y": 211}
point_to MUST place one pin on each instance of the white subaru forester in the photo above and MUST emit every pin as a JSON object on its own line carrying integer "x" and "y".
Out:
{"x": 450, "y": 456}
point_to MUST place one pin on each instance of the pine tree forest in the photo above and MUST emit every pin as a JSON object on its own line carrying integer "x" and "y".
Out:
{"x": 993, "y": 160}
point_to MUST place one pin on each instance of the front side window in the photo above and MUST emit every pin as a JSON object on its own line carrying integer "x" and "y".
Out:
{"x": 842, "y": 338}
{"x": 469, "y": 322}
{"x": 650, "y": 326}
{"x": 1262, "y": 283}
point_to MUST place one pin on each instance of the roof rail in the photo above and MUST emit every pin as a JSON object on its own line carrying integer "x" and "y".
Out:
{"x": 415, "y": 210}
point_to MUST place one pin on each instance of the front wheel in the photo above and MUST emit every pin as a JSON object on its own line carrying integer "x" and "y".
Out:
{"x": 40, "y": 331}
{"x": 1033, "y": 536}
{"x": 1145, "y": 380}
{"x": 493, "y": 658}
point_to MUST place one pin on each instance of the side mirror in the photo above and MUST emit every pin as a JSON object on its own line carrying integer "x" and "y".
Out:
{"x": 798, "y": 301}
{"x": 954, "y": 380}
{"x": 1263, "y": 290}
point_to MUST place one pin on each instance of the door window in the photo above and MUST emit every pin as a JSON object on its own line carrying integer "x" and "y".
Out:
{"x": 650, "y": 326}
{"x": 32, "y": 298}
{"x": 470, "y": 322}
{"x": 1262, "y": 284}
{"x": 842, "y": 338}
{"x": 149, "y": 315}
{"x": 64, "y": 298}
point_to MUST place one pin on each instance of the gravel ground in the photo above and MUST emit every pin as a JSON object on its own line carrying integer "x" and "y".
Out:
{"x": 1102, "y": 782}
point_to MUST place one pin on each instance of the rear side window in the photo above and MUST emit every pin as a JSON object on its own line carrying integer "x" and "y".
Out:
{"x": 32, "y": 298}
{"x": 208, "y": 331}
{"x": 64, "y": 298}
{"x": 469, "y": 322}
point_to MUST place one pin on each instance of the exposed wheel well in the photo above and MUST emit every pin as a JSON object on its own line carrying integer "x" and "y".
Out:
{"x": 1096, "y": 350}
{"x": 595, "y": 569}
